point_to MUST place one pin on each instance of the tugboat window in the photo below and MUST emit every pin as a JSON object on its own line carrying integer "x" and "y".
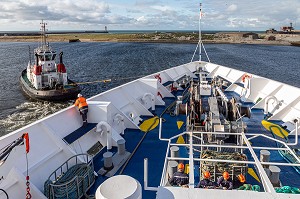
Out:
{"x": 53, "y": 57}
{"x": 48, "y": 57}
{"x": 41, "y": 58}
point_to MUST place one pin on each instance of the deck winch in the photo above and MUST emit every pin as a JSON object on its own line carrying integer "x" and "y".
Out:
{"x": 209, "y": 110}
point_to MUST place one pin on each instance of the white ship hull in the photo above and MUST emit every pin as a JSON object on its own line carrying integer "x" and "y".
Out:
{"x": 49, "y": 148}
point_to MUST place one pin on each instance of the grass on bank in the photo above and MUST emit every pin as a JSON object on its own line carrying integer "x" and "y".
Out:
{"x": 167, "y": 37}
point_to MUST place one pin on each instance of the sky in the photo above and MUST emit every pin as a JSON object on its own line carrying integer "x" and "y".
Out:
{"x": 236, "y": 15}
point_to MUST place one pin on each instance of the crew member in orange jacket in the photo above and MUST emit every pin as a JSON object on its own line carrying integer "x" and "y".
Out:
{"x": 83, "y": 108}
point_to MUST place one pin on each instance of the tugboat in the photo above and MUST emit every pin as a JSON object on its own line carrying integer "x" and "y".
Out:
{"x": 46, "y": 80}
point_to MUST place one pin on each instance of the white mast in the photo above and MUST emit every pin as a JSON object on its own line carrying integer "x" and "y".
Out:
{"x": 44, "y": 45}
{"x": 200, "y": 44}
{"x": 200, "y": 38}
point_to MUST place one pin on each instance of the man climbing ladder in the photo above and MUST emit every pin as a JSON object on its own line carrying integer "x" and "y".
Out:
{"x": 83, "y": 108}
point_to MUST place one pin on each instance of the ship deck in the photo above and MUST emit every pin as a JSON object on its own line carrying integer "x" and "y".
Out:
{"x": 155, "y": 149}
{"x": 60, "y": 139}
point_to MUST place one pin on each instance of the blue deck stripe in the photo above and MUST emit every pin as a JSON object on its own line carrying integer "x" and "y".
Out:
{"x": 151, "y": 148}
{"x": 79, "y": 132}
{"x": 167, "y": 83}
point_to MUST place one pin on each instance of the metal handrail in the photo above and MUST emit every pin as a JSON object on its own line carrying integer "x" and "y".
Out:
{"x": 89, "y": 162}
{"x": 73, "y": 184}
{"x": 265, "y": 181}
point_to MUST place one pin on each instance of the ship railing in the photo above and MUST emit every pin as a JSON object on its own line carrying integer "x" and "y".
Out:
{"x": 72, "y": 179}
{"x": 268, "y": 187}
{"x": 285, "y": 146}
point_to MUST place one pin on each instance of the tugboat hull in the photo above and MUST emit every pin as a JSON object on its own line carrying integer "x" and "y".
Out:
{"x": 67, "y": 93}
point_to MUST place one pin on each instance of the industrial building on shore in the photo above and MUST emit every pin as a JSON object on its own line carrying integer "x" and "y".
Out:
{"x": 284, "y": 30}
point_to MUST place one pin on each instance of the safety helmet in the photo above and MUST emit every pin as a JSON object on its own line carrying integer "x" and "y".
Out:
{"x": 241, "y": 178}
{"x": 79, "y": 95}
{"x": 206, "y": 174}
{"x": 226, "y": 175}
{"x": 180, "y": 166}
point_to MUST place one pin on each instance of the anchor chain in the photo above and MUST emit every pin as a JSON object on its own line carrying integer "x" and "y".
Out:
{"x": 28, "y": 194}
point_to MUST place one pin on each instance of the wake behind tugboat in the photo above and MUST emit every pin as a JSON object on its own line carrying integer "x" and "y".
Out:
{"x": 29, "y": 112}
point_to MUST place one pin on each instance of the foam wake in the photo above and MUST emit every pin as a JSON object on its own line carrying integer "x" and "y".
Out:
{"x": 29, "y": 112}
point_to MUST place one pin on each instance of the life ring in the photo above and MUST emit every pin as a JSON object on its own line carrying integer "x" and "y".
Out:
{"x": 159, "y": 94}
{"x": 158, "y": 77}
{"x": 246, "y": 76}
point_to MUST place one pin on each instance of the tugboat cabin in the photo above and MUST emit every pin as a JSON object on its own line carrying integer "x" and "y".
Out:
{"x": 46, "y": 74}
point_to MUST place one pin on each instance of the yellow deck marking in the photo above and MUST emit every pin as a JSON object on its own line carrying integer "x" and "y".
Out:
{"x": 187, "y": 169}
{"x": 180, "y": 140}
{"x": 179, "y": 124}
{"x": 253, "y": 174}
{"x": 248, "y": 141}
{"x": 152, "y": 122}
{"x": 275, "y": 128}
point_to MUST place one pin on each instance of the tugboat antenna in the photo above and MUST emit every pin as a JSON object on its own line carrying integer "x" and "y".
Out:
{"x": 43, "y": 34}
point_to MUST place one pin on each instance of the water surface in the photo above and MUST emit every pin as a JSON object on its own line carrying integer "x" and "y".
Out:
{"x": 123, "y": 62}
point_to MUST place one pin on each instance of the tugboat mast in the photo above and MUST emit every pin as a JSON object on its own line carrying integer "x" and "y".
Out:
{"x": 43, "y": 35}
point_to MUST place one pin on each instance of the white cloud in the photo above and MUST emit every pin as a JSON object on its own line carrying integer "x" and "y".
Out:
{"x": 161, "y": 8}
{"x": 148, "y": 14}
{"x": 232, "y": 8}
{"x": 141, "y": 19}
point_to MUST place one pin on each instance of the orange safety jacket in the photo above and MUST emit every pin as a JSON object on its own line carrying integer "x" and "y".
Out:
{"x": 80, "y": 102}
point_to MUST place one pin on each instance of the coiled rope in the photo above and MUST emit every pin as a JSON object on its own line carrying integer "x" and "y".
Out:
{"x": 287, "y": 189}
{"x": 72, "y": 184}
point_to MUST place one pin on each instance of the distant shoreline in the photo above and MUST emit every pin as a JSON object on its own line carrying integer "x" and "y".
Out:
{"x": 178, "y": 37}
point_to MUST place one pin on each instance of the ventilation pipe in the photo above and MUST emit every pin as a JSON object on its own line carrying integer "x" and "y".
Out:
{"x": 151, "y": 97}
{"x": 104, "y": 127}
{"x": 36, "y": 59}
{"x": 60, "y": 57}
{"x": 278, "y": 103}
{"x": 119, "y": 120}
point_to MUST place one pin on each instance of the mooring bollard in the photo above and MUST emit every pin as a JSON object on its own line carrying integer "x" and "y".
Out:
{"x": 265, "y": 157}
{"x": 107, "y": 156}
{"x": 121, "y": 146}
